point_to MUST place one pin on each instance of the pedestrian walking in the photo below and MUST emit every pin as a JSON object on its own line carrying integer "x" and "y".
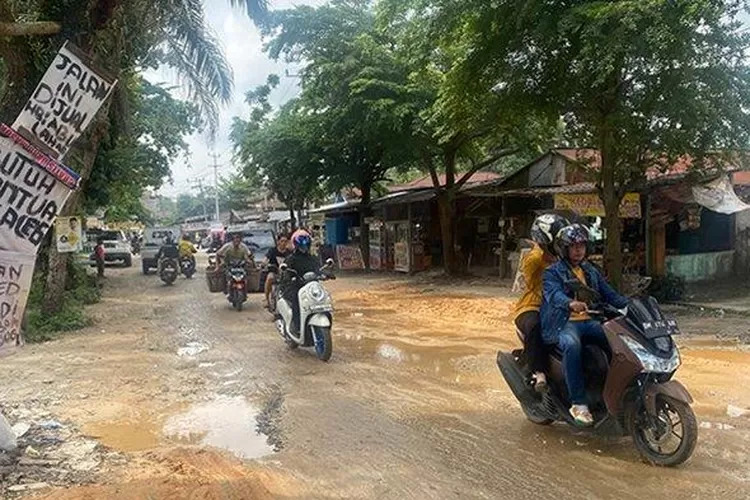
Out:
{"x": 99, "y": 257}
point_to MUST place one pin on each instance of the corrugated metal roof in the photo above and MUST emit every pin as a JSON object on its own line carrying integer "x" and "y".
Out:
{"x": 335, "y": 207}
{"x": 426, "y": 181}
{"x": 404, "y": 197}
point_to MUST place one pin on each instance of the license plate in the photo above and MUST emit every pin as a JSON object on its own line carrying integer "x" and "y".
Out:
{"x": 663, "y": 327}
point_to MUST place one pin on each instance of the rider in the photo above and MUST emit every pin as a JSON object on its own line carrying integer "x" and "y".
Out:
{"x": 281, "y": 250}
{"x": 565, "y": 320}
{"x": 187, "y": 249}
{"x": 168, "y": 250}
{"x": 301, "y": 262}
{"x": 543, "y": 231}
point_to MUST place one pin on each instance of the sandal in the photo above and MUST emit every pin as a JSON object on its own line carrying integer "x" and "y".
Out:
{"x": 582, "y": 415}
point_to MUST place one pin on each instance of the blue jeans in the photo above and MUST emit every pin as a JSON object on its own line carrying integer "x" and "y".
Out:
{"x": 570, "y": 342}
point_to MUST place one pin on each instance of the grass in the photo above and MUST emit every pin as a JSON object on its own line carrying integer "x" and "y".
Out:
{"x": 82, "y": 290}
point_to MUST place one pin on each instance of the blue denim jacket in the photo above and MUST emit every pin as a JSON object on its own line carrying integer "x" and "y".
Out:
{"x": 557, "y": 296}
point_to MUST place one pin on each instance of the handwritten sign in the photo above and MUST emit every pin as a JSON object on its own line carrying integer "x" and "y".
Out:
{"x": 68, "y": 234}
{"x": 590, "y": 205}
{"x": 64, "y": 103}
{"x": 349, "y": 257}
{"x": 16, "y": 272}
{"x": 30, "y": 199}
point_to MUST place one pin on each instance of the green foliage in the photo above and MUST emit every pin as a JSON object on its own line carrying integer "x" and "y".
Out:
{"x": 237, "y": 190}
{"x": 137, "y": 154}
{"x": 81, "y": 290}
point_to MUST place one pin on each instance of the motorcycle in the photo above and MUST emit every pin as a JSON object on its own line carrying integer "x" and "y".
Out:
{"x": 630, "y": 389}
{"x": 316, "y": 311}
{"x": 187, "y": 266}
{"x": 168, "y": 270}
{"x": 237, "y": 283}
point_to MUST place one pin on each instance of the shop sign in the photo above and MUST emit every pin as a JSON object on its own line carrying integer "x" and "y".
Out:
{"x": 590, "y": 205}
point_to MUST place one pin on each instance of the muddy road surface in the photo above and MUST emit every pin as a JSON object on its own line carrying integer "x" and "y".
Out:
{"x": 172, "y": 394}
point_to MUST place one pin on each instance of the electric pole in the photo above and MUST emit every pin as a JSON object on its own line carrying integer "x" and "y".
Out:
{"x": 199, "y": 184}
{"x": 216, "y": 184}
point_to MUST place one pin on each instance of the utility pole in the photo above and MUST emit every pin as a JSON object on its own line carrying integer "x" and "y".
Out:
{"x": 216, "y": 183}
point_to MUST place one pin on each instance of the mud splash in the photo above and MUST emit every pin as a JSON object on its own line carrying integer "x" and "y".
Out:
{"x": 226, "y": 422}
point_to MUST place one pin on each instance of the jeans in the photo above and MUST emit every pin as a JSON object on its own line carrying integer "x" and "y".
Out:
{"x": 570, "y": 342}
{"x": 536, "y": 352}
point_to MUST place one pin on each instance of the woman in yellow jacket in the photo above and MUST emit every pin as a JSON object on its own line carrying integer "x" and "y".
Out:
{"x": 543, "y": 232}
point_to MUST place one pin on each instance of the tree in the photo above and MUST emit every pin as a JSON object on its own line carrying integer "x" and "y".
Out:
{"x": 643, "y": 82}
{"x": 352, "y": 86}
{"x": 122, "y": 36}
{"x": 237, "y": 190}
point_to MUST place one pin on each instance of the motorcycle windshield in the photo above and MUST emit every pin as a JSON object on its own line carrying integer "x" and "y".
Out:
{"x": 646, "y": 315}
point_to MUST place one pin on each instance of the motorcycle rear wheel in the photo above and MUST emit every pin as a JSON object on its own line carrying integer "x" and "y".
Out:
{"x": 671, "y": 416}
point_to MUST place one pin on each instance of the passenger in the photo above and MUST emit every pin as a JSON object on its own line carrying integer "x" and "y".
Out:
{"x": 543, "y": 231}
{"x": 565, "y": 321}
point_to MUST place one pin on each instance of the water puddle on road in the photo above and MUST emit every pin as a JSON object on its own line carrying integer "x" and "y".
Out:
{"x": 226, "y": 422}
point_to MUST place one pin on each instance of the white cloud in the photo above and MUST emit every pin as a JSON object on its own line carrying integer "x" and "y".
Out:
{"x": 244, "y": 50}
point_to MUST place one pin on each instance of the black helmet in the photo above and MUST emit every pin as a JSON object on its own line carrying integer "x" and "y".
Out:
{"x": 570, "y": 235}
{"x": 544, "y": 229}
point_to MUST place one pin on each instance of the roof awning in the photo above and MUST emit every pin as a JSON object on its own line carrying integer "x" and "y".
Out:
{"x": 719, "y": 196}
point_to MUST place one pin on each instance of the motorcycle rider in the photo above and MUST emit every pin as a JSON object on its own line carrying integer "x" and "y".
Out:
{"x": 301, "y": 262}
{"x": 565, "y": 321}
{"x": 232, "y": 251}
{"x": 187, "y": 249}
{"x": 168, "y": 250}
{"x": 281, "y": 250}
{"x": 540, "y": 257}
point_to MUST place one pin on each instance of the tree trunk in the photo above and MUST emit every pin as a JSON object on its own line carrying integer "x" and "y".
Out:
{"x": 364, "y": 212}
{"x": 292, "y": 218}
{"x": 57, "y": 272}
{"x": 447, "y": 213}
{"x": 611, "y": 199}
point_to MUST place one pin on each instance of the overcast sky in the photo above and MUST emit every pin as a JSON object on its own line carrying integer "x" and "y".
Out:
{"x": 243, "y": 48}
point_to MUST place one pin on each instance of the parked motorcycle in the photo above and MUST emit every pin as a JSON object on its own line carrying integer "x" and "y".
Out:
{"x": 168, "y": 270}
{"x": 316, "y": 311}
{"x": 187, "y": 266}
{"x": 237, "y": 283}
{"x": 630, "y": 389}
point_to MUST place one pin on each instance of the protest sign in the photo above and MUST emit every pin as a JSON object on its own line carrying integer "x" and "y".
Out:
{"x": 16, "y": 272}
{"x": 30, "y": 199}
{"x": 68, "y": 234}
{"x": 64, "y": 103}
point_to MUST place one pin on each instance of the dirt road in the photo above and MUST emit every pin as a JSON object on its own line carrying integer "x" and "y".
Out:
{"x": 171, "y": 394}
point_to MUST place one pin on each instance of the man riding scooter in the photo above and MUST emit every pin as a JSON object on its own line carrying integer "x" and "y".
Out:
{"x": 565, "y": 321}
{"x": 280, "y": 251}
{"x": 233, "y": 251}
{"x": 543, "y": 231}
{"x": 187, "y": 250}
{"x": 301, "y": 262}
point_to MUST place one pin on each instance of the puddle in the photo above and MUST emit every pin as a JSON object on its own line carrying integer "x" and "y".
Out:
{"x": 226, "y": 422}
{"x": 125, "y": 436}
{"x": 192, "y": 349}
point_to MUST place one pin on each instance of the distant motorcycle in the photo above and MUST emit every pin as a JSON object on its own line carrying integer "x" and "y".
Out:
{"x": 316, "y": 311}
{"x": 168, "y": 270}
{"x": 187, "y": 266}
{"x": 237, "y": 283}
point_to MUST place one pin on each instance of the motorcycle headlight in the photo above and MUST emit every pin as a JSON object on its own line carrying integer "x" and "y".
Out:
{"x": 317, "y": 293}
{"x": 652, "y": 362}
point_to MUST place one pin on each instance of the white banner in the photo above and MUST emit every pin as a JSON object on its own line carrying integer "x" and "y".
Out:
{"x": 64, "y": 103}
{"x": 16, "y": 272}
{"x": 30, "y": 199}
{"x": 68, "y": 234}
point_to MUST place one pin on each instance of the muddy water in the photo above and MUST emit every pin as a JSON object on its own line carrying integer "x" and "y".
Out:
{"x": 226, "y": 422}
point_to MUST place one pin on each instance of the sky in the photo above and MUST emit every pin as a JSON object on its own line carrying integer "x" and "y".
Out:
{"x": 243, "y": 48}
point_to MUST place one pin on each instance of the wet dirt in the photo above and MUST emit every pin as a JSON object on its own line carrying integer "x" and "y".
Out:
{"x": 183, "y": 397}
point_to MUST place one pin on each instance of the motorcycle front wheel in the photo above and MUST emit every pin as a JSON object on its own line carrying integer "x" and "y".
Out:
{"x": 667, "y": 438}
{"x": 322, "y": 342}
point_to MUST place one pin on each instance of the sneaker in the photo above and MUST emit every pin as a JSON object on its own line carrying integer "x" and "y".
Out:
{"x": 582, "y": 415}
{"x": 539, "y": 381}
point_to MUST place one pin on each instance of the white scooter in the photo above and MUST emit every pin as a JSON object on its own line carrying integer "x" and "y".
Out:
{"x": 316, "y": 312}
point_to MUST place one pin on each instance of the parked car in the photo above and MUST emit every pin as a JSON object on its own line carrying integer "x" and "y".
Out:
{"x": 153, "y": 238}
{"x": 116, "y": 246}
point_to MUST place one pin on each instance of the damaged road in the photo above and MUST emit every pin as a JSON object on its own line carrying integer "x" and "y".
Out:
{"x": 174, "y": 395}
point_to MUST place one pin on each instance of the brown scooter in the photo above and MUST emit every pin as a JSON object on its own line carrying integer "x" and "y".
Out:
{"x": 630, "y": 388}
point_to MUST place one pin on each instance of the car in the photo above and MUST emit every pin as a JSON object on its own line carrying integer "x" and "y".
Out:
{"x": 116, "y": 246}
{"x": 153, "y": 238}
